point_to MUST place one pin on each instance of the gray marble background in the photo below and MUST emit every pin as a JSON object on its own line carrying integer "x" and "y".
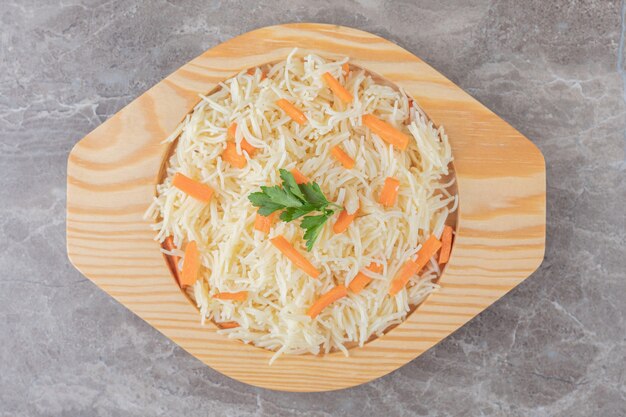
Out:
{"x": 555, "y": 346}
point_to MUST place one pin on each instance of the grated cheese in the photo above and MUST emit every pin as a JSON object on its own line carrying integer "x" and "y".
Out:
{"x": 235, "y": 257}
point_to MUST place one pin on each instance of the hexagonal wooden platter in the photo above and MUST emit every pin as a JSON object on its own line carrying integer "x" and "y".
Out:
{"x": 501, "y": 220}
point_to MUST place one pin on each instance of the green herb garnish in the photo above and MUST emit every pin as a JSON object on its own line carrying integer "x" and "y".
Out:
{"x": 296, "y": 200}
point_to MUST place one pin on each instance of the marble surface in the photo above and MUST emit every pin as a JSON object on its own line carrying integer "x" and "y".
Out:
{"x": 555, "y": 346}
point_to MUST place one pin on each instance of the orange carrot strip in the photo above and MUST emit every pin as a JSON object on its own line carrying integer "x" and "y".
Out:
{"x": 235, "y": 296}
{"x": 193, "y": 188}
{"x": 191, "y": 265}
{"x": 232, "y": 131}
{"x": 245, "y": 146}
{"x": 294, "y": 256}
{"x": 299, "y": 177}
{"x": 231, "y": 156}
{"x": 326, "y": 299}
{"x": 427, "y": 251}
{"x": 345, "y": 68}
{"x": 386, "y": 132}
{"x": 402, "y": 277}
{"x": 231, "y": 134}
{"x": 389, "y": 193}
{"x": 361, "y": 280}
{"x": 228, "y": 325}
{"x": 336, "y": 87}
{"x": 263, "y": 223}
{"x": 343, "y": 221}
{"x": 446, "y": 245}
{"x": 410, "y": 268}
{"x": 292, "y": 111}
{"x": 341, "y": 156}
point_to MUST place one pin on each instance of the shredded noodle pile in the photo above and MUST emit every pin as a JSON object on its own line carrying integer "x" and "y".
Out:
{"x": 236, "y": 257}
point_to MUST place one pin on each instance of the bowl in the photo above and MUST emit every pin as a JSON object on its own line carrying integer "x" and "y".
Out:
{"x": 500, "y": 224}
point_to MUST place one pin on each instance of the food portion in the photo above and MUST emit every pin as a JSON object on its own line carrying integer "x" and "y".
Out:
{"x": 304, "y": 207}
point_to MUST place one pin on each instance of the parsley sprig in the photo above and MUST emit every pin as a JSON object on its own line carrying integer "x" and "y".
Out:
{"x": 296, "y": 200}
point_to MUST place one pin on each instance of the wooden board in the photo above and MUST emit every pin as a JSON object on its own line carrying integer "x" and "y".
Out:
{"x": 500, "y": 225}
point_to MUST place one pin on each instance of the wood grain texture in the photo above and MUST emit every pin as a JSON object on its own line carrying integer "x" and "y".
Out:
{"x": 112, "y": 173}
